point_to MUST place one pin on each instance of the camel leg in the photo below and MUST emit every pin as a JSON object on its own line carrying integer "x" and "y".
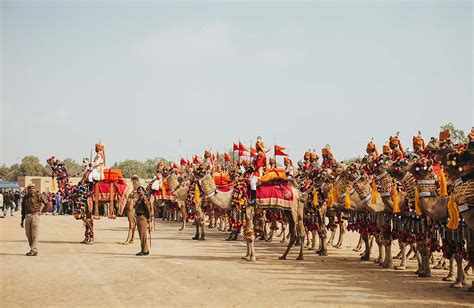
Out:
{"x": 322, "y": 237}
{"x": 380, "y": 246}
{"x": 203, "y": 235}
{"x": 450, "y": 276}
{"x": 247, "y": 256}
{"x": 399, "y": 254}
{"x": 388, "y": 262}
{"x": 292, "y": 240}
{"x": 301, "y": 234}
{"x": 425, "y": 261}
{"x": 440, "y": 263}
{"x": 283, "y": 232}
{"x": 403, "y": 261}
{"x": 342, "y": 231}
{"x": 359, "y": 244}
{"x": 459, "y": 272}
{"x": 131, "y": 228}
{"x": 196, "y": 236}
{"x": 313, "y": 239}
{"x": 366, "y": 255}
{"x": 185, "y": 216}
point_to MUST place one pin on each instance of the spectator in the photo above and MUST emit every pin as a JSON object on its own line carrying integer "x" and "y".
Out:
{"x": 8, "y": 203}
{"x": 1, "y": 202}
{"x": 17, "y": 200}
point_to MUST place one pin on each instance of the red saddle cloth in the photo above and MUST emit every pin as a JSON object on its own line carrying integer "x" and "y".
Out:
{"x": 278, "y": 193}
{"x": 169, "y": 195}
{"x": 225, "y": 188}
{"x": 104, "y": 187}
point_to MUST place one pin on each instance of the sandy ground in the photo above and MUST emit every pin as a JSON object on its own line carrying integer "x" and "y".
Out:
{"x": 181, "y": 272}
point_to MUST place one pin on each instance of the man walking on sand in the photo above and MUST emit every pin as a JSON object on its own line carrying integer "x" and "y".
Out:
{"x": 31, "y": 207}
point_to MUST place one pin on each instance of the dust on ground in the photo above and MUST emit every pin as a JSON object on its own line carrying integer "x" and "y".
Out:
{"x": 182, "y": 272}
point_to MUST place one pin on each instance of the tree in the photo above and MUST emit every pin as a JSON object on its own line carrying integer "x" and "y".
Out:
{"x": 13, "y": 173}
{"x": 73, "y": 168}
{"x": 30, "y": 165}
{"x": 4, "y": 171}
{"x": 457, "y": 135}
{"x": 131, "y": 167}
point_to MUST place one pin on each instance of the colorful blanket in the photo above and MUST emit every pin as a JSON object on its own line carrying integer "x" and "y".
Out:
{"x": 275, "y": 194}
{"x": 169, "y": 195}
{"x": 225, "y": 188}
{"x": 104, "y": 188}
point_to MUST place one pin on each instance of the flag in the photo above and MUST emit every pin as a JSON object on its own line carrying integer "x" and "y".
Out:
{"x": 226, "y": 157}
{"x": 242, "y": 147}
{"x": 279, "y": 151}
{"x": 253, "y": 152}
{"x": 188, "y": 162}
{"x": 218, "y": 155}
{"x": 196, "y": 159}
{"x": 236, "y": 147}
{"x": 242, "y": 153}
{"x": 182, "y": 162}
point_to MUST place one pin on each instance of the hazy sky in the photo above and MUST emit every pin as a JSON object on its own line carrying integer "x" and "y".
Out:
{"x": 141, "y": 76}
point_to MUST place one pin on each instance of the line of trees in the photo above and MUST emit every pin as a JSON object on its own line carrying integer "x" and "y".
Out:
{"x": 31, "y": 166}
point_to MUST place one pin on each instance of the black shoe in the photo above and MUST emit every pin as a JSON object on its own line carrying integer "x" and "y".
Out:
{"x": 141, "y": 253}
{"x": 146, "y": 253}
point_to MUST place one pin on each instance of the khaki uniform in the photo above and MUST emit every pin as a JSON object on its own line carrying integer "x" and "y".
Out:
{"x": 32, "y": 206}
{"x": 142, "y": 212}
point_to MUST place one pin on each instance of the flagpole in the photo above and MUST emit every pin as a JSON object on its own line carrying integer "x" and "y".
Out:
{"x": 274, "y": 150}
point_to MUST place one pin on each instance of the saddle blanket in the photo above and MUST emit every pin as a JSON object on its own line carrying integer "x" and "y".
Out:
{"x": 277, "y": 194}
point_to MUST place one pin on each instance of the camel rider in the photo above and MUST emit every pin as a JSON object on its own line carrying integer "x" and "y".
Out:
{"x": 372, "y": 155}
{"x": 386, "y": 150}
{"x": 289, "y": 169}
{"x": 98, "y": 165}
{"x": 208, "y": 163}
{"x": 272, "y": 163}
{"x": 396, "y": 147}
{"x": 259, "y": 166}
{"x": 314, "y": 161}
{"x": 419, "y": 146}
{"x": 328, "y": 158}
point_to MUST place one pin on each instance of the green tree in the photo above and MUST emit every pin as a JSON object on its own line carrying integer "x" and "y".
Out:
{"x": 457, "y": 135}
{"x": 131, "y": 167}
{"x": 13, "y": 173}
{"x": 73, "y": 168}
{"x": 4, "y": 171}
{"x": 30, "y": 165}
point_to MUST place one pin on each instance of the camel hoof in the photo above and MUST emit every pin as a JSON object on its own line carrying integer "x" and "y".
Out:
{"x": 365, "y": 258}
{"x": 282, "y": 258}
{"x": 424, "y": 275}
{"x": 180, "y": 229}
{"x": 125, "y": 243}
{"x": 457, "y": 285}
{"x": 246, "y": 258}
{"x": 300, "y": 258}
{"x": 196, "y": 238}
{"x": 202, "y": 238}
{"x": 400, "y": 267}
{"x": 448, "y": 278}
{"x": 388, "y": 265}
{"x": 252, "y": 259}
{"x": 323, "y": 253}
{"x": 438, "y": 266}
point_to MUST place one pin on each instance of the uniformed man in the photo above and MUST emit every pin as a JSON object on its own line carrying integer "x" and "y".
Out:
{"x": 142, "y": 212}
{"x": 32, "y": 205}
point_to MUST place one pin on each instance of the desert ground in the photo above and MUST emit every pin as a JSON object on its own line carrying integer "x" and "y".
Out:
{"x": 182, "y": 272}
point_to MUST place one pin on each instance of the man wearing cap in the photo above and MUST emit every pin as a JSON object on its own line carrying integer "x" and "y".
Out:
{"x": 31, "y": 207}
{"x": 142, "y": 212}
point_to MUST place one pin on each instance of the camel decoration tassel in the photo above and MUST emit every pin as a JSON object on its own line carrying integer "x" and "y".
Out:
{"x": 374, "y": 192}
{"x": 315, "y": 197}
{"x": 443, "y": 187}
{"x": 417, "y": 201}
{"x": 453, "y": 213}
{"x": 347, "y": 198}
{"x": 336, "y": 193}
{"x": 163, "y": 189}
{"x": 395, "y": 199}
{"x": 331, "y": 197}
{"x": 197, "y": 197}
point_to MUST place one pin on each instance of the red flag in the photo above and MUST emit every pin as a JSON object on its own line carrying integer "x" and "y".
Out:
{"x": 279, "y": 151}
{"x": 242, "y": 153}
{"x": 236, "y": 147}
{"x": 227, "y": 157}
{"x": 218, "y": 155}
{"x": 196, "y": 159}
{"x": 188, "y": 162}
{"x": 253, "y": 152}
{"x": 242, "y": 147}
{"x": 182, "y": 162}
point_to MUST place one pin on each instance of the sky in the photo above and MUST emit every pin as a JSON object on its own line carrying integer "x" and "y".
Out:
{"x": 141, "y": 76}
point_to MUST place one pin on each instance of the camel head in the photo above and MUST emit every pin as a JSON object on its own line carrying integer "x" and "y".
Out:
{"x": 459, "y": 163}
{"x": 422, "y": 168}
{"x": 354, "y": 172}
{"x": 399, "y": 168}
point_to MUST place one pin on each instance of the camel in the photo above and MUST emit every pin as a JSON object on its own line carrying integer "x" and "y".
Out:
{"x": 294, "y": 213}
{"x": 179, "y": 192}
{"x": 459, "y": 164}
